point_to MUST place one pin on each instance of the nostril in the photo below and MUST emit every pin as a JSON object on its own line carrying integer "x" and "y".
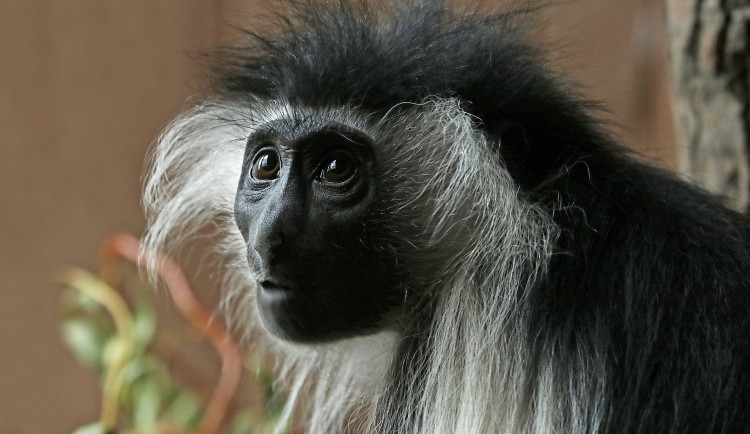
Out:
{"x": 275, "y": 241}
{"x": 268, "y": 248}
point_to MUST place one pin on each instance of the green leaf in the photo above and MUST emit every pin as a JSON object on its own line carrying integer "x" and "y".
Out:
{"x": 144, "y": 321}
{"x": 147, "y": 402}
{"x": 143, "y": 367}
{"x": 85, "y": 340}
{"x": 185, "y": 410}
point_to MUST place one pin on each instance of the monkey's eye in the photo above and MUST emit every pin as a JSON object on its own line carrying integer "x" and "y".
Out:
{"x": 337, "y": 169}
{"x": 266, "y": 165}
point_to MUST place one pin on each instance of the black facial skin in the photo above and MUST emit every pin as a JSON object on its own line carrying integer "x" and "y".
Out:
{"x": 304, "y": 205}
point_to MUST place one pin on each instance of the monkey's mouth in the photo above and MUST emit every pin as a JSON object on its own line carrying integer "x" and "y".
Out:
{"x": 272, "y": 288}
{"x": 276, "y": 297}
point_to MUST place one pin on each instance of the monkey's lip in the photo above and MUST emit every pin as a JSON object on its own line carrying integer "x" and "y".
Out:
{"x": 273, "y": 286}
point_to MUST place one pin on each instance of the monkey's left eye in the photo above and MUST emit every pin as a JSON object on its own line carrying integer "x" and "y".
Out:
{"x": 337, "y": 169}
{"x": 266, "y": 165}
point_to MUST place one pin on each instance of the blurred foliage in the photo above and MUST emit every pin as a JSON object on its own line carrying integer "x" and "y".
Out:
{"x": 121, "y": 342}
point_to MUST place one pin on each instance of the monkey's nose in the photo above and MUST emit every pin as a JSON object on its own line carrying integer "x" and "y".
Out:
{"x": 269, "y": 245}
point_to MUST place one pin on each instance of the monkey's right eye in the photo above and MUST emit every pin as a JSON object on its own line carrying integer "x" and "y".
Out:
{"x": 266, "y": 165}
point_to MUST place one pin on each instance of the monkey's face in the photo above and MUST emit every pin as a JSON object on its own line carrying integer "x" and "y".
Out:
{"x": 305, "y": 205}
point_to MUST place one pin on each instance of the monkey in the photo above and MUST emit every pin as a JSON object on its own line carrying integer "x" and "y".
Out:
{"x": 431, "y": 230}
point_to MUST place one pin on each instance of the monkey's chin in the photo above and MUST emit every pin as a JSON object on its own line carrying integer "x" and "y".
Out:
{"x": 294, "y": 315}
{"x": 285, "y": 312}
{"x": 275, "y": 311}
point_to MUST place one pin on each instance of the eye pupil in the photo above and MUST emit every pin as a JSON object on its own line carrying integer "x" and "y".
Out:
{"x": 338, "y": 166}
{"x": 267, "y": 162}
{"x": 266, "y": 165}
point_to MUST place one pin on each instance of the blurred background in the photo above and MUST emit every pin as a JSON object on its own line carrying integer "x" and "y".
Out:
{"x": 85, "y": 88}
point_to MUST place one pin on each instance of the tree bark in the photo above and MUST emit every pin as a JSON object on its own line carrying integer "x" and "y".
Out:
{"x": 710, "y": 50}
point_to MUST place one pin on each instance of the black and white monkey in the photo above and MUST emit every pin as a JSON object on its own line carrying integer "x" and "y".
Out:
{"x": 423, "y": 223}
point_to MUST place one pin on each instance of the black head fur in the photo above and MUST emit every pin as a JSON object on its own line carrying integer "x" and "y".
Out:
{"x": 345, "y": 53}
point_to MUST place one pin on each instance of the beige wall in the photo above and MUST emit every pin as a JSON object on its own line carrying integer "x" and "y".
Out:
{"x": 85, "y": 87}
{"x": 617, "y": 50}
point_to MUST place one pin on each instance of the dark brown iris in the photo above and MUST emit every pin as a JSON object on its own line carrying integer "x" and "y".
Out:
{"x": 337, "y": 169}
{"x": 266, "y": 165}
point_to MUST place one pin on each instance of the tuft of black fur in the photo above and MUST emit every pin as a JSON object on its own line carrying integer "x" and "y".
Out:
{"x": 650, "y": 273}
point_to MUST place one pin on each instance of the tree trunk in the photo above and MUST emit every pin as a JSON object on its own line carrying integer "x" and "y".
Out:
{"x": 710, "y": 49}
